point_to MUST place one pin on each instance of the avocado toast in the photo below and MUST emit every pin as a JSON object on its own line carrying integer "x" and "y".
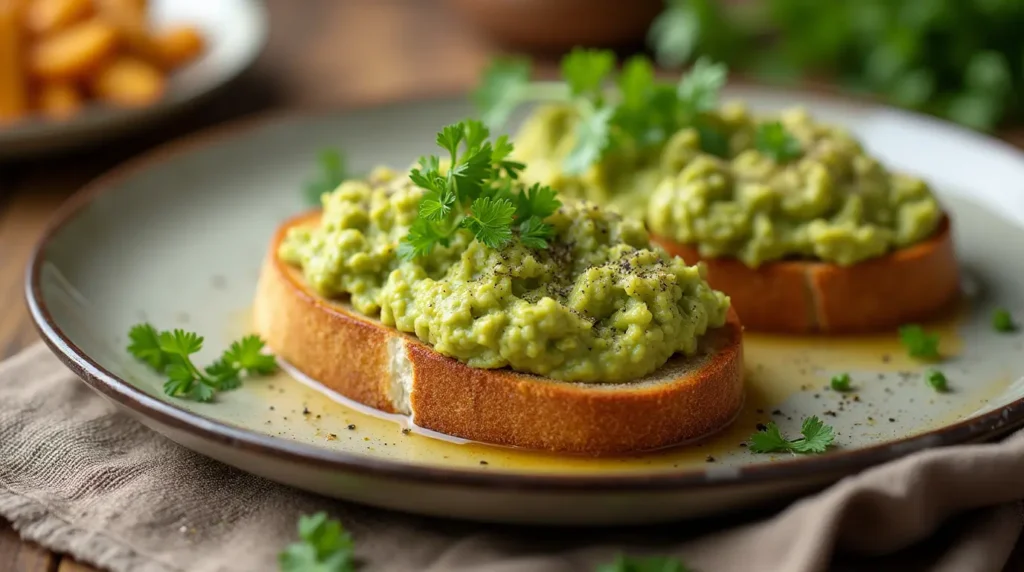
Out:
{"x": 493, "y": 312}
{"x": 796, "y": 222}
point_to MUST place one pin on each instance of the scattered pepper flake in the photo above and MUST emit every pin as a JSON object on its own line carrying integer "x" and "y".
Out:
{"x": 351, "y": 427}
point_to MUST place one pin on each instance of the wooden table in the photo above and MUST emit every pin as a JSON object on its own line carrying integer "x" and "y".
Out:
{"x": 320, "y": 52}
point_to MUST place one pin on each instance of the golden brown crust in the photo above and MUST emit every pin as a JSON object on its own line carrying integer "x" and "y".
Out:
{"x": 685, "y": 400}
{"x": 907, "y": 285}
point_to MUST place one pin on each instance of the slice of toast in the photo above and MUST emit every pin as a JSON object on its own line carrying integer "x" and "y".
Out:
{"x": 802, "y": 296}
{"x": 358, "y": 357}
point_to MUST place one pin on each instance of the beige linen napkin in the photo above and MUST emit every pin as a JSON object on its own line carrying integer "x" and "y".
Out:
{"x": 79, "y": 477}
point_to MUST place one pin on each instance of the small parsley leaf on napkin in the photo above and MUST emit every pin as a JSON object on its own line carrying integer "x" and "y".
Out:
{"x": 623, "y": 563}
{"x": 324, "y": 546}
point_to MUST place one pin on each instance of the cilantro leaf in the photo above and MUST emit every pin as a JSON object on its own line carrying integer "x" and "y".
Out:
{"x": 537, "y": 201}
{"x": 841, "y": 382}
{"x": 500, "y": 152}
{"x": 332, "y": 172}
{"x": 476, "y": 133}
{"x": 436, "y": 205}
{"x": 623, "y": 563}
{"x": 773, "y": 140}
{"x": 490, "y": 220}
{"x": 184, "y": 378}
{"x": 534, "y": 233}
{"x": 324, "y": 546}
{"x": 472, "y": 172}
{"x": 420, "y": 240}
{"x": 450, "y": 137}
{"x": 675, "y": 33}
{"x": 636, "y": 82}
{"x": 501, "y": 89}
{"x": 585, "y": 70}
{"x": 591, "y": 140}
{"x": 817, "y": 438}
{"x": 145, "y": 346}
{"x": 180, "y": 342}
{"x": 698, "y": 90}
{"x": 919, "y": 343}
{"x": 224, "y": 374}
{"x": 247, "y": 355}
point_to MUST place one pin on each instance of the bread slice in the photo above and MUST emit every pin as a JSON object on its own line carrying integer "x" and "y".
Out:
{"x": 801, "y": 296}
{"x": 358, "y": 357}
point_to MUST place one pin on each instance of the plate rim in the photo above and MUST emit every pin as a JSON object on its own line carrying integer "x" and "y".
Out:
{"x": 986, "y": 426}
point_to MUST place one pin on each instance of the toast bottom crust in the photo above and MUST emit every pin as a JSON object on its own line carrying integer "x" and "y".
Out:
{"x": 359, "y": 358}
{"x": 907, "y": 285}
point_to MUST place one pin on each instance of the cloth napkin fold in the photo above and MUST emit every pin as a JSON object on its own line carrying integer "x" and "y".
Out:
{"x": 79, "y": 477}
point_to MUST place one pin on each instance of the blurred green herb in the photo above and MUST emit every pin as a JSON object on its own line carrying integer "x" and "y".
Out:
{"x": 936, "y": 380}
{"x": 1002, "y": 321}
{"x": 959, "y": 59}
{"x": 841, "y": 382}
{"x": 332, "y": 170}
{"x": 614, "y": 109}
{"x": 919, "y": 344}
{"x": 624, "y": 563}
{"x": 324, "y": 546}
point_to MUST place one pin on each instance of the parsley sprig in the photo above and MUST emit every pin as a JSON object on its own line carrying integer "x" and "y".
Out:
{"x": 639, "y": 113}
{"x": 477, "y": 192}
{"x": 324, "y": 546}
{"x": 168, "y": 352}
{"x": 816, "y": 438}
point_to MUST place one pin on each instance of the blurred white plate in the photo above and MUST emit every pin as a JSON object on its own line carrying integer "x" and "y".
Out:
{"x": 235, "y": 31}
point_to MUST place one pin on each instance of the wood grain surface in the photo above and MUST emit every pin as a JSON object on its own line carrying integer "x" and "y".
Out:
{"x": 320, "y": 53}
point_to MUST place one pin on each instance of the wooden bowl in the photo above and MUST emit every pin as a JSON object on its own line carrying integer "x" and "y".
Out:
{"x": 545, "y": 25}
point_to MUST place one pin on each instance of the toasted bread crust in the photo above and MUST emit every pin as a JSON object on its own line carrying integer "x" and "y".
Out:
{"x": 799, "y": 296}
{"x": 349, "y": 354}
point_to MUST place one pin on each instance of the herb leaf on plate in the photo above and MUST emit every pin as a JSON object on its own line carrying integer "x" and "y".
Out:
{"x": 332, "y": 170}
{"x": 816, "y": 437}
{"x": 169, "y": 352}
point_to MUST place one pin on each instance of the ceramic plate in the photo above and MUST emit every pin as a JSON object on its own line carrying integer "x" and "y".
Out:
{"x": 235, "y": 32}
{"x": 177, "y": 238}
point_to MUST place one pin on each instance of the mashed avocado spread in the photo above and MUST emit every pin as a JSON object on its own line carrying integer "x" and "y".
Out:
{"x": 599, "y": 304}
{"x": 831, "y": 202}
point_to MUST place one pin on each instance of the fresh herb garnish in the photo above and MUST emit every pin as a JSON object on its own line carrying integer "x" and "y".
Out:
{"x": 817, "y": 437}
{"x": 919, "y": 344}
{"x": 476, "y": 193}
{"x": 324, "y": 546}
{"x": 841, "y": 382}
{"x": 168, "y": 353}
{"x": 332, "y": 171}
{"x": 624, "y": 563}
{"x": 960, "y": 60}
{"x": 936, "y": 380}
{"x": 1002, "y": 321}
{"x": 639, "y": 113}
{"x": 773, "y": 140}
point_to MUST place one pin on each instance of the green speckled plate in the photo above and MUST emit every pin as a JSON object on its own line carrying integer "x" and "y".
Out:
{"x": 178, "y": 236}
